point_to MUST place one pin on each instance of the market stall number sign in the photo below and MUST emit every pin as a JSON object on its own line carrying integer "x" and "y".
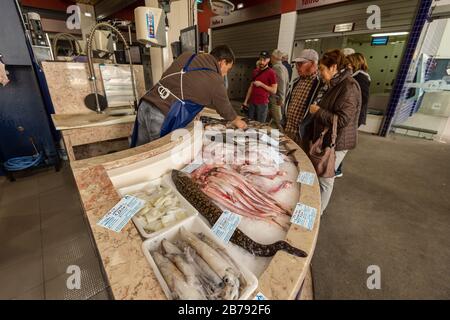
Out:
{"x": 305, "y": 177}
{"x": 121, "y": 214}
{"x": 304, "y": 216}
{"x": 226, "y": 225}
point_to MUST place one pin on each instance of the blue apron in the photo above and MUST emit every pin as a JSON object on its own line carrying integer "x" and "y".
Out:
{"x": 182, "y": 111}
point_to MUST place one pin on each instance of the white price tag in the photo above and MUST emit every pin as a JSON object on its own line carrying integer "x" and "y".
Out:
{"x": 192, "y": 167}
{"x": 305, "y": 177}
{"x": 226, "y": 225}
{"x": 121, "y": 214}
{"x": 265, "y": 138}
{"x": 276, "y": 156}
{"x": 260, "y": 296}
{"x": 304, "y": 216}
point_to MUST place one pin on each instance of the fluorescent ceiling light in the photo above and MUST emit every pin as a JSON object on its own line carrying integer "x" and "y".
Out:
{"x": 311, "y": 40}
{"x": 240, "y": 6}
{"x": 88, "y": 14}
{"x": 390, "y": 34}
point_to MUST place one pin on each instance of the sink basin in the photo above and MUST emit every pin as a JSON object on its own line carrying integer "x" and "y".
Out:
{"x": 119, "y": 112}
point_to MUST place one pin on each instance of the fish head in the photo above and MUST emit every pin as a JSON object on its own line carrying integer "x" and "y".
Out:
{"x": 231, "y": 290}
{"x": 176, "y": 174}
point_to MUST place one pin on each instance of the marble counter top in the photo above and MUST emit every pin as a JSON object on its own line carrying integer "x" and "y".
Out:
{"x": 77, "y": 121}
{"x": 128, "y": 272}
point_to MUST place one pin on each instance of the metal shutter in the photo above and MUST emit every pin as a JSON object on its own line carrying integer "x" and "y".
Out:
{"x": 395, "y": 16}
{"x": 248, "y": 39}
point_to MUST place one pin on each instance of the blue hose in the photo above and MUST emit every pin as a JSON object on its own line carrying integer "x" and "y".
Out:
{"x": 22, "y": 163}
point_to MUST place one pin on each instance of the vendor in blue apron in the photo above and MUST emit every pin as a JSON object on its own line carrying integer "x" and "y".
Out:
{"x": 190, "y": 83}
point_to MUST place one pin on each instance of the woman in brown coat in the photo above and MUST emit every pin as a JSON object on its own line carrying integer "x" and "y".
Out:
{"x": 342, "y": 99}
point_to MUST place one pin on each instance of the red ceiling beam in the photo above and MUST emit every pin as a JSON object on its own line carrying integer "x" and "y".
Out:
{"x": 57, "y": 5}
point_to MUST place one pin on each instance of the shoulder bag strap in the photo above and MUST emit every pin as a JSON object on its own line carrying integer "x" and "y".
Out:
{"x": 260, "y": 73}
{"x": 334, "y": 131}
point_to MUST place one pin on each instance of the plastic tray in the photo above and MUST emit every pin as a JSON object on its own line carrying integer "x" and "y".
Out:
{"x": 165, "y": 181}
{"x": 196, "y": 225}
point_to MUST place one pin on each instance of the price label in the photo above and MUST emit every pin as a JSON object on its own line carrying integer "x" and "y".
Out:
{"x": 260, "y": 296}
{"x": 226, "y": 225}
{"x": 276, "y": 156}
{"x": 265, "y": 138}
{"x": 304, "y": 216}
{"x": 120, "y": 215}
{"x": 305, "y": 177}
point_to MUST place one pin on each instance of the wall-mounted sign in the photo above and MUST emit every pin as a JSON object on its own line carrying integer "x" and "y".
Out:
{"x": 380, "y": 41}
{"x": 269, "y": 9}
{"x": 216, "y": 21}
{"x": 307, "y": 4}
{"x": 222, "y": 7}
{"x": 344, "y": 27}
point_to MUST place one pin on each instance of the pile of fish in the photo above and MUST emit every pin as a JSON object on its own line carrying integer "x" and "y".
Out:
{"x": 245, "y": 175}
{"x": 190, "y": 190}
{"x": 210, "y": 122}
{"x": 195, "y": 268}
{"x": 162, "y": 209}
{"x": 231, "y": 191}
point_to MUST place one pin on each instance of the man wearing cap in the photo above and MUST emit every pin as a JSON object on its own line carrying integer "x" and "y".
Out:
{"x": 276, "y": 101}
{"x": 303, "y": 93}
{"x": 264, "y": 84}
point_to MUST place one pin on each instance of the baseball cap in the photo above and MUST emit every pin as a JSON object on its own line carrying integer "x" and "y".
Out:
{"x": 307, "y": 55}
{"x": 264, "y": 54}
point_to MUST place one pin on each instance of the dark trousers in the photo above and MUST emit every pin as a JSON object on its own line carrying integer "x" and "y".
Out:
{"x": 150, "y": 120}
{"x": 258, "y": 112}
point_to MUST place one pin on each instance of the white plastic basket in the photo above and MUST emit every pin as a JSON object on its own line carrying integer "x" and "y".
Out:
{"x": 195, "y": 225}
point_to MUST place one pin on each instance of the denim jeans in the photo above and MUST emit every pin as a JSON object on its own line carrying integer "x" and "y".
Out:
{"x": 150, "y": 120}
{"x": 258, "y": 112}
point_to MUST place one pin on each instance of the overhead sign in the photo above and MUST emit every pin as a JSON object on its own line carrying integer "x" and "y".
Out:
{"x": 307, "y": 4}
{"x": 344, "y": 27}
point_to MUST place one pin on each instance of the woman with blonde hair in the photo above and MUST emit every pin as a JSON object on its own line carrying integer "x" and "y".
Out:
{"x": 357, "y": 63}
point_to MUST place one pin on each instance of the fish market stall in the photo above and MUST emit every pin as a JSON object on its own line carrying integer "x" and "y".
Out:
{"x": 209, "y": 228}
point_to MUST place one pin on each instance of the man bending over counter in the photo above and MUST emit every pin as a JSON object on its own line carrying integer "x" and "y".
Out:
{"x": 190, "y": 83}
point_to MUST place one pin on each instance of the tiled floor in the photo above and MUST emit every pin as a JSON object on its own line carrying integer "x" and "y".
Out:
{"x": 42, "y": 233}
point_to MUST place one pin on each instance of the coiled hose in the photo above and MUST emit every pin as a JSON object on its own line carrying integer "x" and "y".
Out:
{"x": 77, "y": 51}
{"x": 22, "y": 163}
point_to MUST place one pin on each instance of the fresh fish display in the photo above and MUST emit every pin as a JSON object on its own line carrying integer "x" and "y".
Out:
{"x": 192, "y": 192}
{"x": 230, "y": 191}
{"x": 162, "y": 209}
{"x": 194, "y": 269}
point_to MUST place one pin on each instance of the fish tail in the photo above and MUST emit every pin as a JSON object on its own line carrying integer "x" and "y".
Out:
{"x": 292, "y": 250}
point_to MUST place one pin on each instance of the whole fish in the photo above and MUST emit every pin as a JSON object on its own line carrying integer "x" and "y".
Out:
{"x": 220, "y": 266}
{"x": 206, "y": 270}
{"x": 224, "y": 255}
{"x": 191, "y": 191}
{"x": 175, "y": 280}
